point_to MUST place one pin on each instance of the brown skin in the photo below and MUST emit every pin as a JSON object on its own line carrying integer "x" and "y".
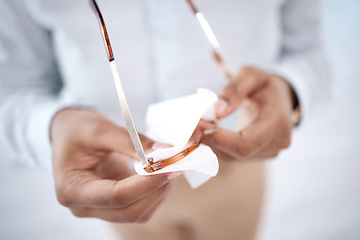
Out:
{"x": 91, "y": 173}
{"x": 267, "y": 103}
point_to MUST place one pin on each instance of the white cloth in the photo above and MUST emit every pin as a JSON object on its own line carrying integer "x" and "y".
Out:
{"x": 52, "y": 55}
{"x": 174, "y": 122}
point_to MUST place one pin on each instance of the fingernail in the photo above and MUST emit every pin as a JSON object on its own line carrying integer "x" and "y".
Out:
{"x": 221, "y": 107}
{"x": 173, "y": 175}
{"x": 210, "y": 131}
{"x": 215, "y": 128}
{"x": 158, "y": 145}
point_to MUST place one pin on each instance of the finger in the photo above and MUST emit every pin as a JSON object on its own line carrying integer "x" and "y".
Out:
{"x": 111, "y": 137}
{"x": 87, "y": 190}
{"x": 115, "y": 167}
{"x": 261, "y": 155}
{"x": 146, "y": 217}
{"x": 246, "y": 143}
{"x": 247, "y": 81}
{"x": 119, "y": 141}
{"x": 132, "y": 213}
{"x": 266, "y": 154}
{"x": 222, "y": 156}
{"x": 96, "y": 132}
{"x": 271, "y": 150}
{"x": 147, "y": 214}
{"x": 205, "y": 125}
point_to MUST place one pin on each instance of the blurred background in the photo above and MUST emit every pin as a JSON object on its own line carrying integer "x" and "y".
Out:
{"x": 313, "y": 188}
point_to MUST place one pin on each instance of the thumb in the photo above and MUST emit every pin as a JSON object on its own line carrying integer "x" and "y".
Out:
{"x": 230, "y": 99}
{"x": 117, "y": 139}
{"x": 246, "y": 82}
{"x": 222, "y": 108}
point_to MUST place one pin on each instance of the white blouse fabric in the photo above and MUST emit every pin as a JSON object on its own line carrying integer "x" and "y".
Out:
{"x": 52, "y": 56}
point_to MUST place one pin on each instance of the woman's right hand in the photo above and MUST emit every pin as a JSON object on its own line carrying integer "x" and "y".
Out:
{"x": 91, "y": 173}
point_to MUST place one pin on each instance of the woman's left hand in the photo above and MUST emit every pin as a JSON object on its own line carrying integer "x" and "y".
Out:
{"x": 267, "y": 103}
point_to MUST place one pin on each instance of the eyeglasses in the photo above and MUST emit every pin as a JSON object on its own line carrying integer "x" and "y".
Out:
{"x": 155, "y": 166}
{"x": 149, "y": 164}
{"x": 219, "y": 59}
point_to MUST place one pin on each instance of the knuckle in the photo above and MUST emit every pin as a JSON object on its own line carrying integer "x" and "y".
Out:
{"x": 115, "y": 198}
{"x": 93, "y": 128}
{"x": 156, "y": 182}
{"x": 285, "y": 130}
{"x": 247, "y": 69}
{"x": 131, "y": 216}
{"x": 119, "y": 201}
{"x": 275, "y": 154}
{"x": 78, "y": 212}
{"x": 284, "y": 121}
{"x": 145, "y": 218}
{"x": 244, "y": 151}
{"x": 155, "y": 186}
{"x": 63, "y": 201}
{"x": 286, "y": 142}
{"x": 63, "y": 198}
{"x": 286, "y": 139}
{"x": 116, "y": 218}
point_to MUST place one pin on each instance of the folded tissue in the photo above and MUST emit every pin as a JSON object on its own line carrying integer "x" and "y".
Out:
{"x": 174, "y": 122}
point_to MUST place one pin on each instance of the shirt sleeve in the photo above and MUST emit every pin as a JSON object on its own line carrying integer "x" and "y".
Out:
{"x": 302, "y": 60}
{"x": 30, "y": 88}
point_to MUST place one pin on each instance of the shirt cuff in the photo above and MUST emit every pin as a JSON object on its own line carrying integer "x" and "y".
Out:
{"x": 296, "y": 79}
{"x": 38, "y": 130}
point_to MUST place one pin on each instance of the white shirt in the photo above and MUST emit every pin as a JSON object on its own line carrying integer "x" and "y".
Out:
{"x": 52, "y": 56}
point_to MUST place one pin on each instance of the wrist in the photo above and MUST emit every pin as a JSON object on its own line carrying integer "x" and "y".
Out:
{"x": 294, "y": 100}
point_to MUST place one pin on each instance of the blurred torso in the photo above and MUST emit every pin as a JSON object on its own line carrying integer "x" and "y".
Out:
{"x": 162, "y": 53}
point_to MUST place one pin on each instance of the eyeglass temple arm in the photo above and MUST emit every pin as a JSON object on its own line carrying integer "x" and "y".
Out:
{"x": 105, "y": 35}
{"x": 126, "y": 114}
{"x": 211, "y": 38}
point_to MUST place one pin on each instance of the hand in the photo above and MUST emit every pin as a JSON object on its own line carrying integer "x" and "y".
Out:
{"x": 91, "y": 173}
{"x": 267, "y": 102}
